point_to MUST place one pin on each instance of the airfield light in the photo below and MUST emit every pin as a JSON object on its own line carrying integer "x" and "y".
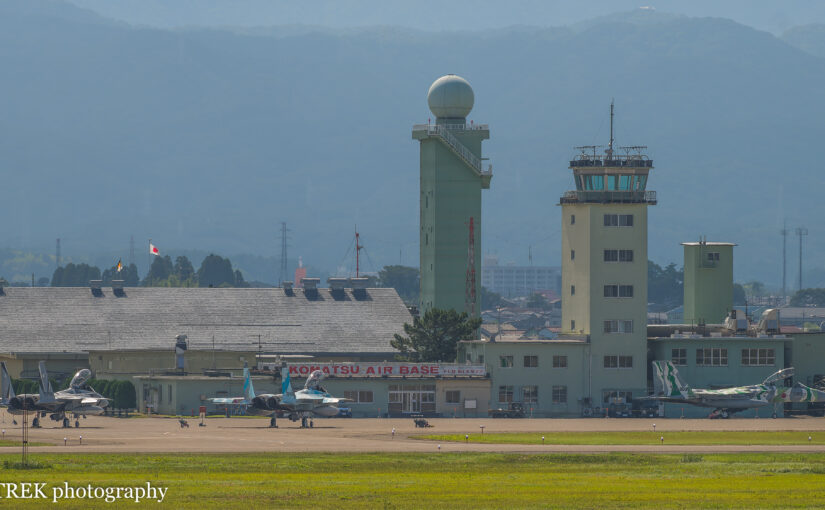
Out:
{"x": 81, "y": 439}
{"x": 542, "y": 439}
{"x": 809, "y": 439}
{"x": 4, "y": 432}
{"x": 482, "y": 429}
{"x": 662, "y": 439}
{"x": 466, "y": 438}
{"x": 393, "y": 432}
{"x": 439, "y": 447}
{"x": 64, "y": 441}
{"x": 654, "y": 427}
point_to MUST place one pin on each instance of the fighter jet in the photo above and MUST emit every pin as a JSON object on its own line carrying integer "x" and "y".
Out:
{"x": 79, "y": 399}
{"x": 303, "y": 404}
{"x": 668, "y": 387}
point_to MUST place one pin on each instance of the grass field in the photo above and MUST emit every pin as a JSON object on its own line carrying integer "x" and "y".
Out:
{"x": 462, "y": 480}
{"x": 641, "y": 438}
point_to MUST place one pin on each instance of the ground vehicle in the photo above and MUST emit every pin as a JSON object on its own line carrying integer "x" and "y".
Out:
{"x": 344, "y": 412}
{"x": 620, "y": 411}
{"x": 645, "y": 408}
{"x": 513, "y": 410}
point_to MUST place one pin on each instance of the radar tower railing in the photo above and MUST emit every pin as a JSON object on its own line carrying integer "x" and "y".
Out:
{"x": 443, "y": 132}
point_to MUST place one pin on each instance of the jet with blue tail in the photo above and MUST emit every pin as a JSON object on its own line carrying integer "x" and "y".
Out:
{"x": 311, "y": 401}
{"x": 669, "y": 387}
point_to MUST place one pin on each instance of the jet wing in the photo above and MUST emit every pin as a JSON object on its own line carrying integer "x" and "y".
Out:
{"x": 91, "y": 401}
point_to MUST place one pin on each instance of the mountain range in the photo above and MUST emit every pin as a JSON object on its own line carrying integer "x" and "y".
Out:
{"x": 208, "y": 138}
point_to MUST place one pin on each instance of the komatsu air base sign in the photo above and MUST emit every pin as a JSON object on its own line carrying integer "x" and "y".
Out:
{"x": 388, "y": 369}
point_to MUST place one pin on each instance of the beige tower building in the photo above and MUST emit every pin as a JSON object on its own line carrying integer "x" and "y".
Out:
{"x": 604, "y": 268}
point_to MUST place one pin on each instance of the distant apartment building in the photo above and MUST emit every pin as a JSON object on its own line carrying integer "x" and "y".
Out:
{"x": 515, "y": 281}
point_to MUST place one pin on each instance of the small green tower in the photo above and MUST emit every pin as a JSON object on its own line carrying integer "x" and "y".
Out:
{"x": 452, "y": 177}
{"x": 708, "y": 282}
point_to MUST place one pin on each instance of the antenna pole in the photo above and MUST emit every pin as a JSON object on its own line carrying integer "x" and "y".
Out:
{"x": 610, "y": 145}
{"x": 801, "y": 232}
{"x": 784, "y": 233}
{"x": 357, "y": 253}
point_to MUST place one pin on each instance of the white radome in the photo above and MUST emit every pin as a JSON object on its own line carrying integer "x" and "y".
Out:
{"x": 450, "y": 97}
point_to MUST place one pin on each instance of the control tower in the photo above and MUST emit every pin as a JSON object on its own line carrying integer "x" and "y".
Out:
{"x": 452, "y": 177}
{"x": 604, "y": 265}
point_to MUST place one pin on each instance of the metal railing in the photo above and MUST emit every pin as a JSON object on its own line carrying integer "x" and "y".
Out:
{"x": 634, "y": 197}
{"x": 442, "y": 131}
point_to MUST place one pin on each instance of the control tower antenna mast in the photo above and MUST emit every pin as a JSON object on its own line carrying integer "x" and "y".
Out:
{"x": 610, "y": 145}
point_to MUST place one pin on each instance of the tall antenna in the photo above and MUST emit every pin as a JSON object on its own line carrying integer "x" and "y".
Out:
{"x": 131, "y": 250}
{"x": 530, "y": 254}
{"x": 57, "y": 253}
{"x": 284, "y": 231}
{"x": 470, "y": 283}
{"x": 357, "y": 253}
{"x": 609, "y": 150}
{"x": 801, "y": 231}
{"x": 784, "y": 232}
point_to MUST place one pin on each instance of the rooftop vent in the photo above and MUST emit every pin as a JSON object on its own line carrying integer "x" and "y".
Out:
{"x": 288, "y": 288}
{"x": 310, "y": 283}
{"x": 117, "y": 284}
{"x": 96, "y": 285}
{"x": 336, "y": 283}
{"x": 359, "y": 283}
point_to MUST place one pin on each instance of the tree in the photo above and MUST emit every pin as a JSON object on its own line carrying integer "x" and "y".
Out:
{"x": 75, "y": 275}
{"x": 808, "y": 297}
{"x": 159, "y": 271}
{"x": 536, "y": 300}
{"x": 403, "y": 279}
{"x": 184, "y": 269}
{"x": 216, "y": 271}
{"x": 754, "y": 288}
{"x": 738, "y": 294}
{"x": 435, "y": 336}
{"x": 665, "y": 286}
{"x": 489, "y": 299}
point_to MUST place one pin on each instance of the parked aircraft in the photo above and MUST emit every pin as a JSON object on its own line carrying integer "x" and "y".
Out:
{"x": 668, "y": 387}
{"x": 303, "y": 404}
{"x": 79, "y": 399}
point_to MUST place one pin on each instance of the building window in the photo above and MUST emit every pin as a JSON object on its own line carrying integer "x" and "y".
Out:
{"x": 618, "y": 326}
{"x": 758, "y": 357}
{"x": 453, "y": 397}
{"x": 572, "y": 325}
{"x": 678, "y": 356}
{"x": 611, "y": 255}
{"x": 505, "y": 393}
{"x": 616, "y": 397}
{"x": 480, "y": 359}
{"x": 713, "y": 256}
{"x": 572, "y": 290}
{"x": 625, "y": 255}
{"x": 611, "y": 291}
{"x": 559, "y": 394}
{"x": 531, "y": 361}
{"x": 714, "y": 357}
{"x": 365, "y": 397}
{"x": 559, "y": 361}
{"x": 618, "y": 220}
{"x": 572, "y": 254}
{"x": 530, "y": 394}
{"x": 572, "y": 219}
{"x": 625, "y": 290}
{"x": 506, "y": 361}
{"x": 618, "y": 362}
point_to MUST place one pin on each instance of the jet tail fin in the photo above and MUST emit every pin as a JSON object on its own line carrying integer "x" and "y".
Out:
{"x": 286, "y": 386}
{"x": 46, "y": 391}
{"x": 248, "y": 390}
{"x": 6, "y": 389}
{"x": 666, "y": 380}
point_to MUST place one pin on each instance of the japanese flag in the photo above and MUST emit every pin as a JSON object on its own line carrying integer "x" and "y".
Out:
{"x": 153, "y": 249}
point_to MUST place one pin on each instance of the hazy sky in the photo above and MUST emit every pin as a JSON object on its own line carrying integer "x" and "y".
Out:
{"x": 771, "y": 15}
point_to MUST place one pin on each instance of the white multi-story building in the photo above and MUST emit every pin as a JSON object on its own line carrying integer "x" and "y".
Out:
{"x": 515, "y": 281}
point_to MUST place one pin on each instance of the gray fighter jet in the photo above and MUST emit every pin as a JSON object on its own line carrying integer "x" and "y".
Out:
{"x": 79, "y": 399}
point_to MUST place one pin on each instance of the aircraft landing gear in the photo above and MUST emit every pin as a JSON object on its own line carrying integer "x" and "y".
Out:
{"x": 303, "y": 422}
{"x": 272, "y": 422}
{"x": 66, "y": 423}
{"x": 36, "y": 422}
{"x": 311, "y": 424}
{"x": 77, "y": 424}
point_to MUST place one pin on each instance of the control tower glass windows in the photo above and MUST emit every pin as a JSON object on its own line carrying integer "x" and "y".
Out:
{"x": 593, "y": 182}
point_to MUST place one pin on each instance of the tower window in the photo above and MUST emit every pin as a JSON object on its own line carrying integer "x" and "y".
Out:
{"x": 572, "y": 254}
{"x": 611, "y": 255}
{"x": 618, "y": 220}
{"x": 713, "y": 256}
{"x": 572, "y": 325}
{"x": 572, "y": 290}
{"x": 625, "y": 255}
{"x": 572, "y": 219}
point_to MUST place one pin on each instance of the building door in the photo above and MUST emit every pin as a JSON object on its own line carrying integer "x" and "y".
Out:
{"x": 411, "y": 402}
{"x": 411, "y": 399}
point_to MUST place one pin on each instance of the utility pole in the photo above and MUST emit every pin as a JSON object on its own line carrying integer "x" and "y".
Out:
{"x": 784, "y": 232}
{"x": 801, "y": 231}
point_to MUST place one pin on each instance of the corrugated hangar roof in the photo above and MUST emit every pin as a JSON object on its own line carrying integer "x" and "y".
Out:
{"x": 139, "y": 318}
